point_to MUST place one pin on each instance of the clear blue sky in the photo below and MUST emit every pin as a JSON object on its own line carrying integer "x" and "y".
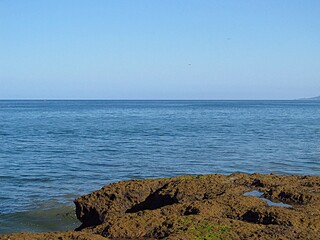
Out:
{"x": 159, "y": 49}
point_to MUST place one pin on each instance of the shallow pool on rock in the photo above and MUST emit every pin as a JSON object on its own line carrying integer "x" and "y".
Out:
{"x": 270, "y": 203}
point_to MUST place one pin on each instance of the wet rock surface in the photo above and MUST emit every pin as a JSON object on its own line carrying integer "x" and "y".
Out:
{"x": 198, "y": 207}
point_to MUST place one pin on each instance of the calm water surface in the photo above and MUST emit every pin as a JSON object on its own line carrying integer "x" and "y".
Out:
{"x": 54, "y": 151}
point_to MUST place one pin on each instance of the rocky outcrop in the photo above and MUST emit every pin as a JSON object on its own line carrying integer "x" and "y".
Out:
{"x": 202, "y": 207}
{"x": 197, "y": 207}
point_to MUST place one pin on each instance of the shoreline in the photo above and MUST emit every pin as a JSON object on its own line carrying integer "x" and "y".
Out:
{"x": 211, "y": 206}
{"x": 60, "y": 217}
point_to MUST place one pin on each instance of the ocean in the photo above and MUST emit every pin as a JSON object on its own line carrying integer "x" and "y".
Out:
{"x": 54, "y": 151}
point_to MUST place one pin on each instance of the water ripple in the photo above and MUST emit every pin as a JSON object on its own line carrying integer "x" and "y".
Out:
{"x": 51, "y": 149}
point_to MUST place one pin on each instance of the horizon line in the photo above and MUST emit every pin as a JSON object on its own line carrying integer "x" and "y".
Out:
{"x": 132, "y": 99}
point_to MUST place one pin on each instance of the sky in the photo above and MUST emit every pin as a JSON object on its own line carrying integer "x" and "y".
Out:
{"x": 159, "y": 49}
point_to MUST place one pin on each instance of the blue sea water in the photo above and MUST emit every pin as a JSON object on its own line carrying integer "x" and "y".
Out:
{"x": 54, "y": 151}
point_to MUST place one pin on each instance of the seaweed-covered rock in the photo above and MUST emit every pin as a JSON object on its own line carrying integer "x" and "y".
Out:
{"x": 200, "y": 207}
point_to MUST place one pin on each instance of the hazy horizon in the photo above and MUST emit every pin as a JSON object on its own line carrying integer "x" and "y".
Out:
{"x": 159, "y": 50}
{"x": 146, "y": 99}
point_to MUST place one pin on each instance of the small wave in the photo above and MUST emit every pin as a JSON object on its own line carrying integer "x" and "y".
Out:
{"x": 6, "y": 177}
{"x": 4, "y": 134}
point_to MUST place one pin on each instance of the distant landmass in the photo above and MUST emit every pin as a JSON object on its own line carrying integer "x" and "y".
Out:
{"x": 311, "y": 99}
